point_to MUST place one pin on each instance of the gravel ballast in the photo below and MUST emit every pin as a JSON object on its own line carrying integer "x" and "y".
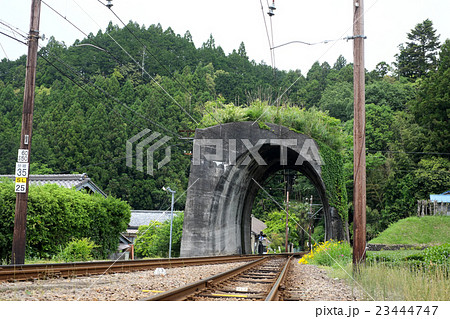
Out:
{"x": 305, "y": 282}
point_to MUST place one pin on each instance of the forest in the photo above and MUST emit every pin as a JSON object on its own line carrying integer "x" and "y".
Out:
{"x": 89, "y": 102}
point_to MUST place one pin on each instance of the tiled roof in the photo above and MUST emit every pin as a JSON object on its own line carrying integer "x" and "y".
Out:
{"x": 79, "y": 181}
{"x": 144, "y": 217}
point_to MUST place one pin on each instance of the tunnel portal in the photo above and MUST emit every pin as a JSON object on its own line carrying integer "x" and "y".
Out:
{"x": 229, "y": 166}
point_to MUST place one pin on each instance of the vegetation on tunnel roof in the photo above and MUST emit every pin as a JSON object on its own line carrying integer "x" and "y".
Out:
{"x": 312, "y": 122}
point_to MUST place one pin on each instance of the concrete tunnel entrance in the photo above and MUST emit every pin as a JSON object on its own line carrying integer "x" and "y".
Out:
{"x": 229, "y": 166}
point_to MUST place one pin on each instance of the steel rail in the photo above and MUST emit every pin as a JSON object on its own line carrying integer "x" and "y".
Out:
{"x": 40, "y": 271}
{"x": 274, "y": 293}
{"x": 181, "y": 293}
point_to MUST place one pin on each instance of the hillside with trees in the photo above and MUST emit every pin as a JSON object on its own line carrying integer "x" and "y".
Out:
{"x": 90, "y": 101}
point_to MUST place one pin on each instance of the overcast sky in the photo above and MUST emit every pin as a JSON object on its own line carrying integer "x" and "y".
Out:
{"x": 231, "y": 22}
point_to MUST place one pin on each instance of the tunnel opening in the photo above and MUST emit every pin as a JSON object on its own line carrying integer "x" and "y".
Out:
{"x": 287, "y": 202}
{"x": 237, "y": 190}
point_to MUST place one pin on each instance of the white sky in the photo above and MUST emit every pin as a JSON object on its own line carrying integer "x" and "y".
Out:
{"x": 230, "y": 22}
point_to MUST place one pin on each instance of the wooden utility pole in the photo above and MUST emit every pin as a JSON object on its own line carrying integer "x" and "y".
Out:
{"x": 359, "y": 142}
{"x": 22, "y": 180}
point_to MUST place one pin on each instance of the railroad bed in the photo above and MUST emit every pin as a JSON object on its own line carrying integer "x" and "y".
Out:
{"x": 65, "y": 270}
{"x": 257, "y": 280}
{"x": 303, "y": 282}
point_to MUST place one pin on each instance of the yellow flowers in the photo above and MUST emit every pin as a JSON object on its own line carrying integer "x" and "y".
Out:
{"x": 330, "y": 248}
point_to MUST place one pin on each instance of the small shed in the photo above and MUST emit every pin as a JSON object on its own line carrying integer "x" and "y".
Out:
{"x": 442, "y": 201}
{"x": 124, "y": 251}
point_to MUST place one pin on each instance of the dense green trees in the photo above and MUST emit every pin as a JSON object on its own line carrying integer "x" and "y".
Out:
{"x": 84, "y": 115}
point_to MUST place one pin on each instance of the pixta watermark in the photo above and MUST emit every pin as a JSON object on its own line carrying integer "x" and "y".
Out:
{"x": 224, "y": 151}
{"x": 151, "y": 143}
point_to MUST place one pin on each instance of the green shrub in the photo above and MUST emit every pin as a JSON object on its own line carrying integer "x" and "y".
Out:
{"x": 78, "y": 250}
{"x": 153, "y": 239}
{"x": 329, "y": 253}
{"x": 56, "y": 215}
{"x": 392, "y": 256}
{"x": 434, "y": 255}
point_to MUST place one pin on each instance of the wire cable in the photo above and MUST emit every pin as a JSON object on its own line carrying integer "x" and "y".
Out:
{"x": 140, "y": 66}
{"x": 306, "y": 43}
{"x": 289, "y": 216}
{"x": 11, "y": 37}
{"x": 145, "y": 47}
{"x": 334, "y": 43}
{"x": 3, "y": 49}
{"x": 14, "y": 30}
{"x": 109, "y": 96}
{"x": 103, "y": 49}
{"x": 272, "y": 44}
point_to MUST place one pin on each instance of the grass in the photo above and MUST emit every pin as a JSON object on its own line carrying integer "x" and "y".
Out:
{"x": 392, "y": 282}
{"x": 386, "y": 282}
{"x": 409, "y": 275}
{"x": 430, "y": 230}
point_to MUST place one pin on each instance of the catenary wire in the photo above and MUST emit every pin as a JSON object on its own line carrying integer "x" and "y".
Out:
{"x": 170, "y": 74}
{"x": 4, "y": 52}
{"x": 97, "y": 87}
{"x": 117, "y": 59}
{"x": 140, "y": 67}
{"x": 284, "y": 210}
{"x": 326, "y": 51}
{"x": 145, "y": 47}
{"x": 273, "y": 41}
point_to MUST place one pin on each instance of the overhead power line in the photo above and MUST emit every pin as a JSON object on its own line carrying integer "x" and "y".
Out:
{"x": 88, "y": 81}
{"x": 139, "y": 65}
{"x": 145, "y": 47}
{"x": 323, "y": 54}
{"x": 117, "y": 59}
{"x": 307, "y": 43}
{"x": 11, "y": 37}
{"x": 74, "y": 72}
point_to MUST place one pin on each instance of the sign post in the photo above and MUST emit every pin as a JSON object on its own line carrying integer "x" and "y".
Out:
{"x": 22, "y": 181}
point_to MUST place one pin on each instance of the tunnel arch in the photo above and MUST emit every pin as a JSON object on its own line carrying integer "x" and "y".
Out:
{"x": 230, "y": 164}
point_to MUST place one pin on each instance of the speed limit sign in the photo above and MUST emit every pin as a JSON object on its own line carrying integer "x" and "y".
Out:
{"x": 21, "y": 169}
{"x": 21, "y": 177}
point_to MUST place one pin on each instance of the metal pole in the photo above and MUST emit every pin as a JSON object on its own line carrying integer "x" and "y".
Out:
{"x": 359, "y": 143}
{"x": 287, "y": 219}
{"x": 310, "y": 223}
{"x": 20, "y": 217}
{"x": 171, "y": 221}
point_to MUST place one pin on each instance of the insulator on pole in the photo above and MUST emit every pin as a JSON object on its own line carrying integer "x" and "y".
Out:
{"x": 272, "y": 9}
{"x": 109, "y": 4}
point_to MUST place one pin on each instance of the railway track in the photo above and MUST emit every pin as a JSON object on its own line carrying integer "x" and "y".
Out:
{"x": 64, "y": 270}
{"x": 261, "y": 279}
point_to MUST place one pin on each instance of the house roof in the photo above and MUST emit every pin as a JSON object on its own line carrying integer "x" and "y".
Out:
{"x": 77, "y": 181}
{"x": 144, "y": 217}
{"x": 257, "y": 225}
